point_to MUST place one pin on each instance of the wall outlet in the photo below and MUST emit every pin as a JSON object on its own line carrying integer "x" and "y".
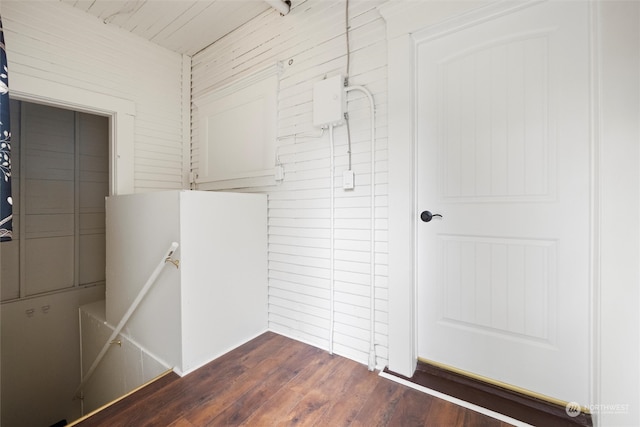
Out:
{"x": 348, "y": 180}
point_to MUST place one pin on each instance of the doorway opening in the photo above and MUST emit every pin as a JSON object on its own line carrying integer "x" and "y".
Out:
{"x": 56, "y": 260}
{"x": 60, "y": 179}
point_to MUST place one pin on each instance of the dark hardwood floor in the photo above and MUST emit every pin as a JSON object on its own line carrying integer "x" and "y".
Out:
{"x": 273, "y": 380}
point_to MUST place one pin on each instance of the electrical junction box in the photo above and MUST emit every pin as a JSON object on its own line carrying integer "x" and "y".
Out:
{"x": 348, "y": 180}
{"x": 278, "y": 173}
{"x": 329, "y": 102}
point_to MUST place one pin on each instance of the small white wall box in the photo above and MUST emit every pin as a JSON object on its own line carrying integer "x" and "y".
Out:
{"x": 329, "y": 101}
{"x": 348, "y": 180}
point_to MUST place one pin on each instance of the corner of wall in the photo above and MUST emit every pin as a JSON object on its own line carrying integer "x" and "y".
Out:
{"x": 186, "y": 121}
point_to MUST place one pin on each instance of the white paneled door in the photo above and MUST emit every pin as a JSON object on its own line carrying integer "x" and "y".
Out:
{"x": 503, "y": 155}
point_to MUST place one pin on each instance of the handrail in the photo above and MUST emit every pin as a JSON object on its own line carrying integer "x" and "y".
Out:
{"x": 150, "y": 281}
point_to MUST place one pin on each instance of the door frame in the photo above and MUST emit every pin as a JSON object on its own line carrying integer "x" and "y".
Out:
{"x": 408, "y": 25}
{"x": 121, "y": 113}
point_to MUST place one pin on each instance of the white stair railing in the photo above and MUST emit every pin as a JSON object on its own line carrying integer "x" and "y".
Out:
{"x": 150, "y": 281}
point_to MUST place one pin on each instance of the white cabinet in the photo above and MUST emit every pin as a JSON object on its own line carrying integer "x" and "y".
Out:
{"x": 216, "y": 300}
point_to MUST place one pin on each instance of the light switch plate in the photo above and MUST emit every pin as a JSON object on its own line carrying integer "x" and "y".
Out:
{"x": 348, "y": 180}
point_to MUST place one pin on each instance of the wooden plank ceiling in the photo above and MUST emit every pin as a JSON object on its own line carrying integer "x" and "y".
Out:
{"x": 183, "y": 26}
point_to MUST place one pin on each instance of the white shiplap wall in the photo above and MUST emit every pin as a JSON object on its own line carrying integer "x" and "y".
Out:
{"x": 54, "y": 42}
{"x": 310, "y": 43}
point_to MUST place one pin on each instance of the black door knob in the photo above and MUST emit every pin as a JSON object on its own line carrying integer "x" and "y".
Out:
{"x": 427, "y": 216}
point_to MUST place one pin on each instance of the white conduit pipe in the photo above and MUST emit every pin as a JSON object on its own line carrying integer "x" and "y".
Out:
{"x": 372, "y": 255}
{"x": 332, "y": 220}
{"x": 279, "y": 5}
{"x": 145, "y": 288}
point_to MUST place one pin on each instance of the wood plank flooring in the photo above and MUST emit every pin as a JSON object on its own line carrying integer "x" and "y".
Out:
{"x": 276, "y": 381}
